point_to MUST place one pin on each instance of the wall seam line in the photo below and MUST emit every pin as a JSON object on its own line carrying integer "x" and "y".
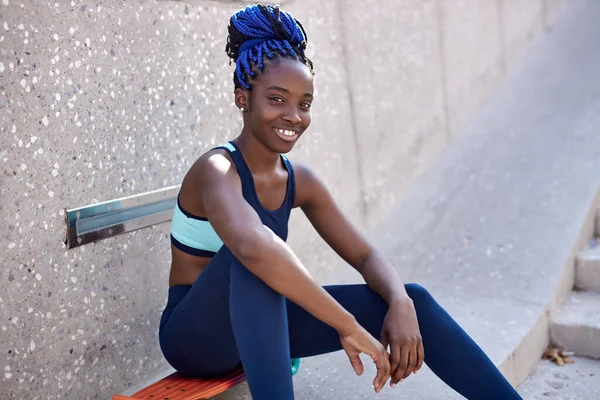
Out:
{"x": 353, "y": 124}
{"x": 441, "y": 49}
{"x": 545, "y": 17}
{"x": 501, "y": 36}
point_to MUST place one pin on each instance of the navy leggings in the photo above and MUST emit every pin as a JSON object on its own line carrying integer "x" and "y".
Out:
{"x": 230, "y": 316}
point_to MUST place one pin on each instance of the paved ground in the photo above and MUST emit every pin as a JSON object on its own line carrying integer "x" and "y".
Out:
{"x": 330, "y": 377}
{"x": 578, "y": 381}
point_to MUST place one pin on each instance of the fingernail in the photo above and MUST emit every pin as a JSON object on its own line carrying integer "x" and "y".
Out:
{"x": 393, "y": 385}
{"x": 401, "y": 380}
{"x": 415, "y": 372}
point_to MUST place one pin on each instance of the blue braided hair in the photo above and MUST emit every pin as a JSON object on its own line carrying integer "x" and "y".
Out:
{"x": 259, "y": 33}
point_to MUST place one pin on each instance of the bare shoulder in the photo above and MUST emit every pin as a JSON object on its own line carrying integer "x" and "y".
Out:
{"x": 301, "y": 170}
{"x": 213, "y": 174}
{"x": 308, "y": 184}
{"x": 214, "y": 165}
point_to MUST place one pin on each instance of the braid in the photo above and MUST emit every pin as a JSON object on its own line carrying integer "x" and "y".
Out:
{"x": 260, "y": 31}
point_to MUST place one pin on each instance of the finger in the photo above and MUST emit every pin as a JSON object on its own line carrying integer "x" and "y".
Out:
{"x": 394, "y": 356}
{"x": 420, "y": 356}
{"x": 383, "y": 370}
{"x": 394, "y": 362}
{"x": 401, "y": 370}
{"x": 382, "y": 364}
{"x": 384, "y": 340}
{"x": 412, "y": 362}
{"x": 356, "y": 364}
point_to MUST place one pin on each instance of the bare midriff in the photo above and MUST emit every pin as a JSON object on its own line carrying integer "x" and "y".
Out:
{"x": 185, "y": 268}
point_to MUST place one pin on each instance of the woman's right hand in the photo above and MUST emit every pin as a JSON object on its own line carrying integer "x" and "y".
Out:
{"x": 360, "y": 341}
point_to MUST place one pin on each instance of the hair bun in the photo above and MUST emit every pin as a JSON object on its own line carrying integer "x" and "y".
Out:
{"x": 259, "y": 32}
{"x": 260, "y": 22}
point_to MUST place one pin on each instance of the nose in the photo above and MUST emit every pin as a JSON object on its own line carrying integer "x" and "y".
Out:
{"x": 292, "y": 116}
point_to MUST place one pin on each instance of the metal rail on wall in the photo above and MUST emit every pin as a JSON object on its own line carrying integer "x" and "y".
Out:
{"x": 114, "y": 217}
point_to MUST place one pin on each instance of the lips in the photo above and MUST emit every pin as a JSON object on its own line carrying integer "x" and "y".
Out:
{"x": 289, "y": 135}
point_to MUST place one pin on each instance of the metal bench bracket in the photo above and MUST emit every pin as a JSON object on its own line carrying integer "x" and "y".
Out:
{"x": 111, "y": 218}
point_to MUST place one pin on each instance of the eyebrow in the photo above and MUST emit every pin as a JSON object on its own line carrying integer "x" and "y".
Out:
{"x": 284, "y": 90}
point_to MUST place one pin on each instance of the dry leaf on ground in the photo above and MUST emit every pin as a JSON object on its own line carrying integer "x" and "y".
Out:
{"x": 557, "y": 355}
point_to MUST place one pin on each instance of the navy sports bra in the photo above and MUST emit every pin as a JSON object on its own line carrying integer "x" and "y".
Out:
{"x": 195, "y": 235}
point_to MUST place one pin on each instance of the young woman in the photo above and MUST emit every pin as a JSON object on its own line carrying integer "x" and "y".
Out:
{"x": 238, "y": 294}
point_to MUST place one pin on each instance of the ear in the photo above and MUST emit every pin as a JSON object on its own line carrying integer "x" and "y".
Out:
{"x": 242, "y": 98}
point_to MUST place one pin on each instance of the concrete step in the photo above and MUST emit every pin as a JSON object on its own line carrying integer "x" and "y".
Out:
{"x": 576, "y": 327}
{"x": 587, "y": 269}
{"x": 569, "y": 382}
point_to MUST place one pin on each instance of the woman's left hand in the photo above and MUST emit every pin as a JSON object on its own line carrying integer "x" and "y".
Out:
{"x": 401, "y": 332}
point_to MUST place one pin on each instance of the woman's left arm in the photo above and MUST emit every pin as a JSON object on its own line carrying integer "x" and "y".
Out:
{"x": 400, "y": 329}
{"x": 323, "y": 213}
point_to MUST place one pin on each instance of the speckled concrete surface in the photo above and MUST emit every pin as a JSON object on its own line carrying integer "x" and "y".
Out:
{"x": 100, "y": 100}
{"x": 577, "y": 381}
{"x": 105, "y": 99}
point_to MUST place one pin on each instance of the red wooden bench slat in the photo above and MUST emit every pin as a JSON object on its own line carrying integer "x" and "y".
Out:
{"x": 178, "y": 387}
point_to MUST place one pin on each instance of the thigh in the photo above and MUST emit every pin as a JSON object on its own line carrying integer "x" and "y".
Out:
{"x": 197, "y": 339}
{"x": 309, "y": 336}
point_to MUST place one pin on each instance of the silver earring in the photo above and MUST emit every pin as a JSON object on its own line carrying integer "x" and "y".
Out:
{"x": 242, "y": 109}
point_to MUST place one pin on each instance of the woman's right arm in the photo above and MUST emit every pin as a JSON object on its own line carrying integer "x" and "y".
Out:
{"x": 270, "y": 259}
{"x": 258, "y": 248}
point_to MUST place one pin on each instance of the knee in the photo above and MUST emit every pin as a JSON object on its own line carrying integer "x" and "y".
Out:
{"x": 418, "y": 293}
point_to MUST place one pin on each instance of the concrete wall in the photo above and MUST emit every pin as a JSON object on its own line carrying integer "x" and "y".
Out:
{"x": 99, "y": 100}
{"x": 418, "y": 70}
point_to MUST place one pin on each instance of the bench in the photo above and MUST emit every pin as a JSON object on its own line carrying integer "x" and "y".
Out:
{"x": 99, "y": 221}
{"x": 179, "y": 387}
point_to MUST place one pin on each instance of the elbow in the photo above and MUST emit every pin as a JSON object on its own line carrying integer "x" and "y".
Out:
{"x": 250, "y": 248}
{"x": 365, "y": 259}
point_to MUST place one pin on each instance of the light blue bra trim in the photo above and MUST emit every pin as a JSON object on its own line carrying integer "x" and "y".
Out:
{"x": 229, "y": 146}
{"x": 194, "y": 232}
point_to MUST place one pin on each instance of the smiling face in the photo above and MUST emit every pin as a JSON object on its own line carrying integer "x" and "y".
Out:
{"x": 278, "y": 106}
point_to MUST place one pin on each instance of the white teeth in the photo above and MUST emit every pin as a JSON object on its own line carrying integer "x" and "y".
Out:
{"x": 286, "y": 133}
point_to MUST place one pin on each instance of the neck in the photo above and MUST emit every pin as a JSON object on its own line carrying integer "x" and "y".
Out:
{"x": 258, "y": 157}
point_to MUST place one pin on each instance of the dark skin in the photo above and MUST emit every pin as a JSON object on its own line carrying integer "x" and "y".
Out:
{"x": 279, "y": 101}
